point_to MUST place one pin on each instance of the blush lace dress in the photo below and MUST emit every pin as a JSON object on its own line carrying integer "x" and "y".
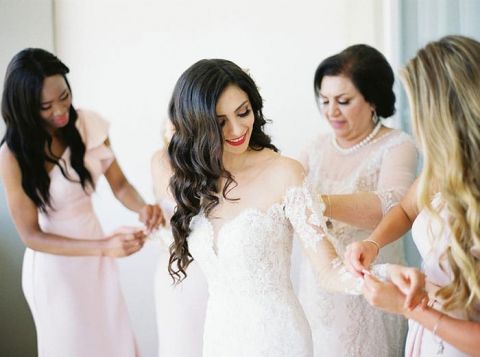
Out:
{"x": 347, "y": 325}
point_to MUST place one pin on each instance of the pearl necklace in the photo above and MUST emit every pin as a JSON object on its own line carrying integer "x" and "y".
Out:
{"x": 361, "y": 144}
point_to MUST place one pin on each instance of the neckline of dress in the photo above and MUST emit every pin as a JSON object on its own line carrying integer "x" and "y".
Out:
{"x": 214, "y": 235}
{"x": 370, "y": 143}
{"x": 60, "y": 160}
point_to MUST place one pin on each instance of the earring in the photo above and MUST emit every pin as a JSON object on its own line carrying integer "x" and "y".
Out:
{"x": 374, "y": 117}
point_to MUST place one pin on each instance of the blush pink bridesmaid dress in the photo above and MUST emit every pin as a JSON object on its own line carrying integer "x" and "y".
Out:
{"x": 76, "y": 302}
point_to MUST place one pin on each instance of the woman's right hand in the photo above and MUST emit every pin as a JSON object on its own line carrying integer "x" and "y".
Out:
{"x": 123, "y": 242}
{"x": 359, "y": 256}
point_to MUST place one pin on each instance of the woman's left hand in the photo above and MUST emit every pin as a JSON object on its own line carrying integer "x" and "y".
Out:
{"x": 411, "y": 282}
{"x": 383, "y": 295}
{"x": 152, "y": 217}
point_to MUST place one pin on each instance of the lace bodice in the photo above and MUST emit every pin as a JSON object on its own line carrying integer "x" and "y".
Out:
{"x": 258, "y": 241}
{"x": 252, "y": 309}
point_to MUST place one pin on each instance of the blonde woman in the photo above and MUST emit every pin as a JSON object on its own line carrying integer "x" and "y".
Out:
{"x": 181, "y": 308}
{"x": 443, "y": 206}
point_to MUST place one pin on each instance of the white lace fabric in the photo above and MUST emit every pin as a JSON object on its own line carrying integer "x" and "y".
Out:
{"x": 252, "y": 308}
{"x": 346, "y": 325}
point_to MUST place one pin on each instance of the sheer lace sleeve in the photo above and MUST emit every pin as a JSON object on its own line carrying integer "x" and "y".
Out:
{"x": 306, "y": 217}
{"x": 397, "y": 171}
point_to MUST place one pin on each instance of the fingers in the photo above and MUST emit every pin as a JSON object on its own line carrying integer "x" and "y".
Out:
{"x": 416, "y": 292}
{"x": 157, "y": 217}
{"x": 134, "y": 247}
{"x": 152, "y": 217}
{"x": 411, "y": 282}
{"x": 354, "y": 259}
{"x": 126, "y": 241}
{"x": 358, "y": 261}
{"x": 354, "y": 264}
{"x": 127, "y": 231}
{"x": 131, "y": 246}
{"x": 403, "y": 283}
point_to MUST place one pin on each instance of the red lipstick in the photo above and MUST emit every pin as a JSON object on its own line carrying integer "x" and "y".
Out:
{"x": 237, "y": 142}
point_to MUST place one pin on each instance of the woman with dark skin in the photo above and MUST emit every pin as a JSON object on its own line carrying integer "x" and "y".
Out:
{"x": 50, "y": 159}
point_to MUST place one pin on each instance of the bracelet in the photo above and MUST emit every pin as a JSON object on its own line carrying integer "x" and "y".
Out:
{"x": 441, "y": 346}
{"x": 437, "y": 324}
{"x": 329, "y": 222}
{"x": 374, "y": 243}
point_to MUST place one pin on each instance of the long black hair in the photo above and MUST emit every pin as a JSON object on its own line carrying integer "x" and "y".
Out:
{"x": 196, "y": 148}
{"x": 26, "y": 135}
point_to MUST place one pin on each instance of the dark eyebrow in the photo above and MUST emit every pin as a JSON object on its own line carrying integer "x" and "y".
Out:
{"x": 61, "y": 95}
{"x": 321, "y": 95}
{"x": 241, "y": 105}
{"x": 223, "y": 115}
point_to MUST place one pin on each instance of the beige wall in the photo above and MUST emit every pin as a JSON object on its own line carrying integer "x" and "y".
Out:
{"x": 23, "y": 23}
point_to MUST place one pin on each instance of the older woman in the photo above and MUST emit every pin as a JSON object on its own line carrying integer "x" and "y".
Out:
{"x": 361, "y": 170}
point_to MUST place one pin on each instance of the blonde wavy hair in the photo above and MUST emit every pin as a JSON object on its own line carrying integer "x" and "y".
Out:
{"x": 443, "y": 86}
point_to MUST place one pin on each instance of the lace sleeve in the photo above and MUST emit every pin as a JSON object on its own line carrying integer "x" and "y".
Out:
{"x": 306, "y": 217}
{"x": 397, "y": 172}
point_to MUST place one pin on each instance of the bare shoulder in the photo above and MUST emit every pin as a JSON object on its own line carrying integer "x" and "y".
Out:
{"x": 287, "y": 171}
{"x": 9, "y": 167}
{"x": 7, "y": 159}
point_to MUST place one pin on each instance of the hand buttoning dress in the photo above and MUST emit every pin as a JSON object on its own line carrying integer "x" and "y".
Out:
{"x": 76, "y": 302}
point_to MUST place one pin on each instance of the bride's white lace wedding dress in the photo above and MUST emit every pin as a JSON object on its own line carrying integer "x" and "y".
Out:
{"x": 252, "y": 309}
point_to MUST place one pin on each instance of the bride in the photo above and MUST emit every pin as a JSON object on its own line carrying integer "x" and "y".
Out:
{"x": 238, "y": 204}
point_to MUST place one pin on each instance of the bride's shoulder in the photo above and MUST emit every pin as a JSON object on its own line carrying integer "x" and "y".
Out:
{"x": 287, "y": 171}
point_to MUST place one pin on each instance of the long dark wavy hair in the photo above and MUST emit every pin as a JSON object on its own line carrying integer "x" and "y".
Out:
{"x": 26, "y": 134}
{"x": 196, "y": 148}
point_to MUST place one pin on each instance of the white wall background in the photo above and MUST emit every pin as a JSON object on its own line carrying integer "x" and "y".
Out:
{"x": 125, "y": 57}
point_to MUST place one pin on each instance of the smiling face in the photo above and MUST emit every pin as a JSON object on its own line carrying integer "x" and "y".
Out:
{"x": 346, "y": 110}
{"x": 55, "y": 102}
{"x": 235, "y": 115}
